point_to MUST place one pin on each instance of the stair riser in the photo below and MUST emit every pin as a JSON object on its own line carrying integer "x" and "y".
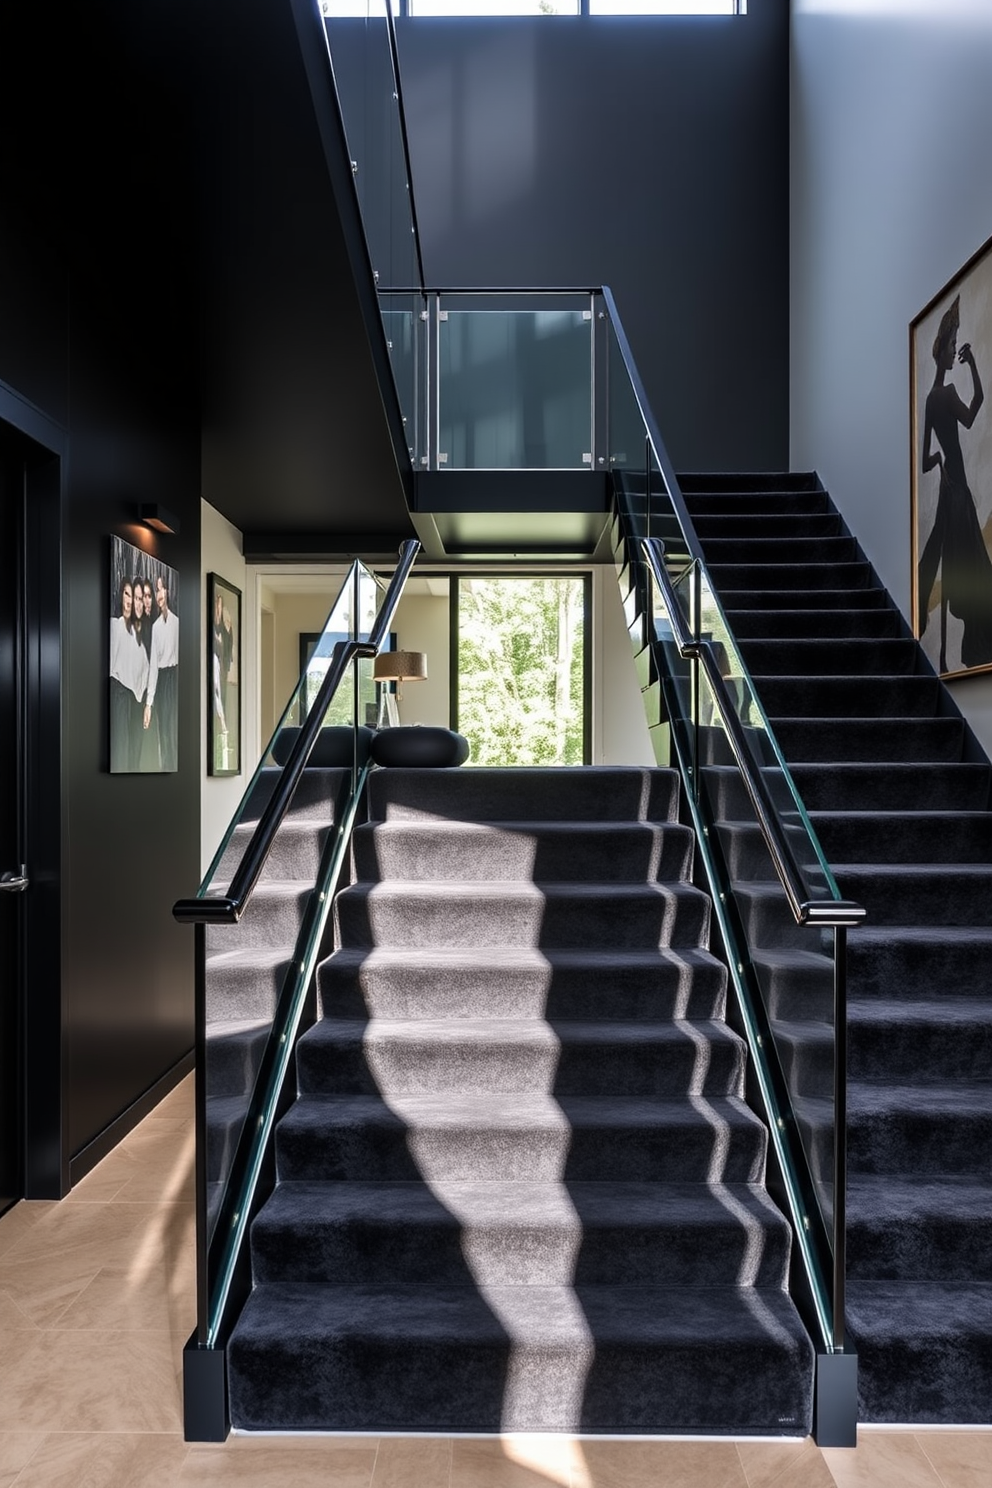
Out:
{"x": 662, "y": 989}
{"x": 315, "y": 796}
{"x": 921, "y": 1143}
{"x": 905, "y": 839}
{"x": 712, "y": 528}
{"x": 444, "y": 1252}
{"x": 835, "y": 658}
{"x": 233, "y": 1059}
{"x": 272, "y": 920}
{"x": 633, "y": 1067}
{"x": 390, "y": 1151}
{"x": 676, "y": 1389}
{"x": 842, "y": 697}
{"x": 240, "y": 992}
{"x": 793, "y": 551}
{"x": 295, "y": 853}
{"x": 516, "y": 853}
{"x": 752, "y": 577}
{"x": 488, "y": 795}
{"x": 931, "y": 1247}
{"x": 418, "y": 922}
{"x": 938, "y": 896}
{"x": 812, "y": 624}
{"x": 934, "y": 740}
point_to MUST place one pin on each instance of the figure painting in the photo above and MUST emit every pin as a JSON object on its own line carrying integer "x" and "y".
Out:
{"x": 951, "y": 357}
{"x": 144, "y": 662}
{"x": 223, "y": 677}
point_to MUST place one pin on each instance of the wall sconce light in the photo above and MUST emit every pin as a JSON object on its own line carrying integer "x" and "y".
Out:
{"x": 159, "y": 517}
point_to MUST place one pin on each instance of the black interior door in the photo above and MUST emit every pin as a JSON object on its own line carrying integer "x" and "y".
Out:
{"x": 12, "y": 474}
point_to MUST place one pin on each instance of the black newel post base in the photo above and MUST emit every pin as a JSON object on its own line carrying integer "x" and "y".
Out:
{"x": 205, "y": 1416}
{"x": 835, "y": 1409}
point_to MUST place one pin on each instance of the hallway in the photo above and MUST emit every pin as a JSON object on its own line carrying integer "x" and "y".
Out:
{"x": 96, "y": 1302}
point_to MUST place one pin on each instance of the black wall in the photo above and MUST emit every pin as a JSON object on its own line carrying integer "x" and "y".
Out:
{"x": 99, "y": 330}
{"x": 651, "y": 155}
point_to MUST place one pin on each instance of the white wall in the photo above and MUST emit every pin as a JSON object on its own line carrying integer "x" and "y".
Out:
{"x": 891, "y": 195}
{"x": 220, "y": 553}
{"x": 421, "y": 624}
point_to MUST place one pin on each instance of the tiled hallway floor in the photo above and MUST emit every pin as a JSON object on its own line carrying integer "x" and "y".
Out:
{"x": 96, "y": 1302}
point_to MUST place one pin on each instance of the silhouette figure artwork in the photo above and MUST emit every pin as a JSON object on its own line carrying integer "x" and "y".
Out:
{"x": 955, "y": 548}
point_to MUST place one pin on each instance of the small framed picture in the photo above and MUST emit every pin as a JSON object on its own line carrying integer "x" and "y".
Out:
{"x": 223, "y": 677}
{"x": 951, "y": 368}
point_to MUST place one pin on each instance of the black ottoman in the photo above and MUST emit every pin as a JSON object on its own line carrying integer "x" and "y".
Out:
{"x": 419, "y": 746}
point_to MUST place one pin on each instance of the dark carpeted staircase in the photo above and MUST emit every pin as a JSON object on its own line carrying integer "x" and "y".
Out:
{"x": 521, "y": 1187}
{"x": 899, "y": 794}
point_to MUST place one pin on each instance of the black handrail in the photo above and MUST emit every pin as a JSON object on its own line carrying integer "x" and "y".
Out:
{"x": 227, "y": 909}
{"x": 805, "y": 911}
{"x": 394, "y": 57}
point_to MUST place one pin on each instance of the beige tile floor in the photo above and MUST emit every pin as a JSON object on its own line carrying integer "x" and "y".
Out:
{"x": 96, "y": 1302}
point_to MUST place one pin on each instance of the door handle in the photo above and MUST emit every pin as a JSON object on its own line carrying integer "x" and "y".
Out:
{"x": 14, "y": 883}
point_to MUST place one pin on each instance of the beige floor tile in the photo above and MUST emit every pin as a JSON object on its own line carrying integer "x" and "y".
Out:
{"x": 119, "y": 1382}
{"x": 105, "y": 1460}
{"x": 16, "y": 1450}
{"x": 960, "y": 1459}
{"x": 676, "y": 1464}
{"x": 96, "y": 1188}
{"x": 404, "y": 1462}
{"x": 16, "y": 1222}
{"x": 881, "y": 1460}
{"x": 281, "y": 1462}
{"x": 11, "y": 1316}
{"x": 29, "y": 1383}
{"x": 558, "y": 1458}
{"x": 147, "y": 1300}
{"x": 782, "y": 1464}
{"x": 43, "y": 1292}
{"x": 484, "y": 1463}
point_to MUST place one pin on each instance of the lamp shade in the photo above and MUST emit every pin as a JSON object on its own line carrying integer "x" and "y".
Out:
{"x": 400, "y": 666}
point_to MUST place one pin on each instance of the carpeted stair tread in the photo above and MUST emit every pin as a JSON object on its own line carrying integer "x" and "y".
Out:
{"x": 295, "y": 852}
{"x": 907, "y": 836}
{"x": 271, "y": 921}
{"x": 934, "y": 1230}
{"x": 790, "y": 552}
{"x": 420, "y": 914}
{"x": 750, "y": 577}
{"x": 315, "y": 797}
{"x": 524, "y": 1232}
{"x": 513, "y": 850}
{"x": 523, "y": 982}
{"x": 476, "y": 1055}
{"x": 721, "y": 525}
{"x": 245, "y": 983}
{"x": 642, "y": 1360}
{"x": 838, "y": 623}
{"x": 920, "y": 1346}
{"x": 521, "y": 1136}
{"x": 233, "y": 1052}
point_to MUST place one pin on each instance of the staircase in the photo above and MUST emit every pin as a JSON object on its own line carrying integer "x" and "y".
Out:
{"x": 521, "y": 1188}
{"x": 899, "y": 794}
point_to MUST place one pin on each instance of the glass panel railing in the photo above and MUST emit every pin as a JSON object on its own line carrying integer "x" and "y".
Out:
{"x": 261, "y": 915}
{"x": 361, "y": 43}
{"x": 243, "y": 988}
{"x": 514, "y": 386}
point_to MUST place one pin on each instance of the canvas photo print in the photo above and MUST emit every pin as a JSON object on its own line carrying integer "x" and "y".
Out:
{"x": 951, "y": 367}
{"x": 144, "y": 662}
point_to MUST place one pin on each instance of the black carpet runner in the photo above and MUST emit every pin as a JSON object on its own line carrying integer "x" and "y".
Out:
{"x": 899, "y": 794}
{"x": 521, "y": 1188}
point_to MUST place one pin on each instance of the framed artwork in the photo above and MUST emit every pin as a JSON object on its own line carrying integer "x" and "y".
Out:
{"x": 144, "y": 662}
{"x": 223, "y": 677}
{"x": 950, "y": 365}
